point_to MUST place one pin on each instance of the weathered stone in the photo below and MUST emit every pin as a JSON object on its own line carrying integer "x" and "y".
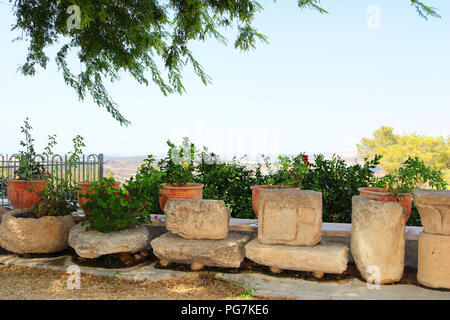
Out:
{"x": 195, "y": 266}
{"x": 164, "y": 263}
{"x": 46, "y": 234}
{"x": 93, "y": 244}
{"x": 227, "y": 252}
{"x": 292, "y": 217}
{"x": 318, "y": 274}
{"x": 434, "y": 209}
{"x": 433, "y": 268}
{"x": 378, "y": 238}
{"x": 326, "y": 257}
{"x": 197, "y": 219}
{"x": 275, "y": 270}
{"x": 3, "y": 210}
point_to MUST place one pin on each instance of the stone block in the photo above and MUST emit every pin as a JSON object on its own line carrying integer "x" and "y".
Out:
{"x": 197, "y": 218}
{"x": 378, "y": 238}
{"x": 228, "y": 252}
{"x": 434, "y": 209}
{"x": 46, "y": 234}
{"x": 326, "y": 257}
{"x": 93, "y": 244}
{"x": 291, "y": 217}
{"x": 433, "y": 269}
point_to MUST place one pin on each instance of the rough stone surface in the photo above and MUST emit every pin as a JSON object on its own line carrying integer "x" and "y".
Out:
{"x": 434, "y": 260}
{"x": 434, "y": 209}
{"x": 3, "y": 210}
{"x": 229, "y": 252}
{"x": 28, "y": 235}
{"x": 197, "y": 219}
{"x": 378, "y": 238}
{"x": 93, "y": 244}
{"x": 326, "y": 257}
{"x": 290, "y": 217}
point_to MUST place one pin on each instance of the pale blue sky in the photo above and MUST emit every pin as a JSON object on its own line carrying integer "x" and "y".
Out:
{"x": 321, "y": 84}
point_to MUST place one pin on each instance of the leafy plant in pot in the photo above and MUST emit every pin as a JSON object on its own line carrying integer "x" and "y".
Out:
{"x": 112, "y": 209}
{"x": 30, "y": 175}
{"x": 178, "y": 169}
{"x": 86, "y": 187}
{"x": 289, "y": 176}
{"x": 116, "y": 217}
{"x": 45, "y": 227}
{"x": 397, "y": 186}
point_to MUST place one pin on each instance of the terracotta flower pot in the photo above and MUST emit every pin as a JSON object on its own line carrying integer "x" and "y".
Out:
{"x": 189, "y": 191}
{"x": 257, "y": 189}
{"x": 20, "y": 197}
{"x": 83, "y": 187}
{"x": 381, "y": 194}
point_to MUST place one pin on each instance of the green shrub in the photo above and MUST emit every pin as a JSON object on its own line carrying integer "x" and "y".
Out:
{"x": 338, "y": 184}
{"x": 228, "y": 181}
{"x": 113, "y": 209}
{"x": 149, "y": 179}
{"x": 59, "y": 197}
{"x": 412, "y": 174}
{"x": 291, "y": 171}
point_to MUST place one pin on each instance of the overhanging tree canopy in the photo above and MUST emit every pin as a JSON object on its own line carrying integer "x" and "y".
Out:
{"x": 133, "y": 36}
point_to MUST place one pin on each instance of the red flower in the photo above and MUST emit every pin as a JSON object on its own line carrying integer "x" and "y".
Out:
{"x": 305, "y": 159}
{"x": 127, "y": 197}
{"x": 291, "y": 171}
{"x": 116, "y": 193}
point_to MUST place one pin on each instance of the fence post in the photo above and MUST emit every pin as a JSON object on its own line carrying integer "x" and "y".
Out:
{"x": 100, "y": 166}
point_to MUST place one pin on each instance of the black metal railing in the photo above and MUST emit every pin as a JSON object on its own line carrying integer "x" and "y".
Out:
{"x": 88, "y": 168}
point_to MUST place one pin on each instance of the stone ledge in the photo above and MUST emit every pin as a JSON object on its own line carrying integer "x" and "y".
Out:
{"x": 326, "y": 257}
{"x": 228, "y": 252}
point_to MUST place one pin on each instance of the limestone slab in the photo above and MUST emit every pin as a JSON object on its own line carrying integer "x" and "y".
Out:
{"x": 434, "y": 210}
{"x": 197, "y": 218}
{"x": 433, "y": 269}
{"x": 93, "y": 244}
{"x": 46, "y": 234}
{"x": 228, "y": 252}
{"x": 326, "y": 257}
{"x": 378, "y": 238}
{"x": 291, "y": 217}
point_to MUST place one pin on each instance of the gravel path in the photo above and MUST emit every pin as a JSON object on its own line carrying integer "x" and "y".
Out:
{"x": 25, "y": 283}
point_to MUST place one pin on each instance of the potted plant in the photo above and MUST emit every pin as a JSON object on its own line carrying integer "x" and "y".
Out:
{"x": 178, "y": 168}
{"x": 116, "y": 217}
{"x": 30, "y": 175}
{"x": 85, "y": 187}
{"x": 45, "y": 227}
{"x": 289, "y": 176}
{"x": 397, "y": 186}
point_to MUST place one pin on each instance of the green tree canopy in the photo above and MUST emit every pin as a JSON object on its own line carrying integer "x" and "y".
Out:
{"x": 141, "y": 38}
{"x": 395, "y": 148}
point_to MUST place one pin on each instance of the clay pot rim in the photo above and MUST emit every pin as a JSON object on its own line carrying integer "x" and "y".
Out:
{"x": 274, "y": 186}
{"x": 25, "y": 181}
{"x": 46, "y": 216}
{"x": 189, "y": 185}
{"x": 380, "y": 192}
{"x": 84, "y": 183}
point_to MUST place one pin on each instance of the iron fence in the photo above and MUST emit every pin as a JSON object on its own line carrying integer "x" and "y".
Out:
{"x": 88, "y": 168}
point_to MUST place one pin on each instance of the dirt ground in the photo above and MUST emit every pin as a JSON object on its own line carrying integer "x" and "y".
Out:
{"x": 31, "y": 283}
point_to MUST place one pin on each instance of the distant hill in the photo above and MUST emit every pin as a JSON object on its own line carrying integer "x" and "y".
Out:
{"x": 125, "y": 167}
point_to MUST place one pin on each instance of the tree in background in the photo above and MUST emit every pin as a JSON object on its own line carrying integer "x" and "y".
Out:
{"x": 137, "y": 37}
{"x": 395, "y": 148}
